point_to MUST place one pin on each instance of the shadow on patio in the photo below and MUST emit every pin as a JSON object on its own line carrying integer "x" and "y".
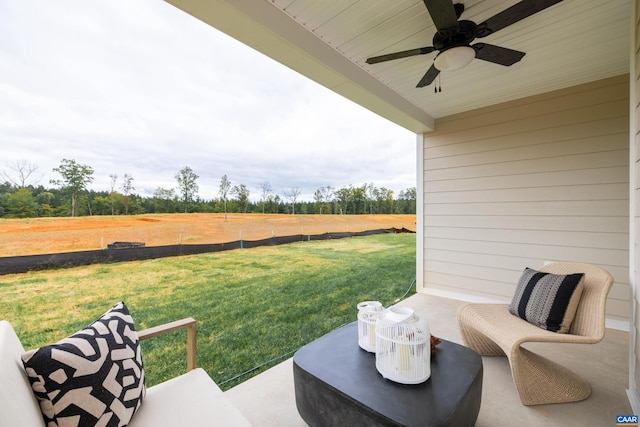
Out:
{"x": 268, "y": 399}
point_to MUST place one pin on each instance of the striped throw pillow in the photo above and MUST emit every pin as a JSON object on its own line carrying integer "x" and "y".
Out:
{"x": 547, "y": 300}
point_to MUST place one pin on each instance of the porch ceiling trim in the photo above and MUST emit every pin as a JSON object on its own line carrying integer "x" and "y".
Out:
{"x": 266, "y": 29}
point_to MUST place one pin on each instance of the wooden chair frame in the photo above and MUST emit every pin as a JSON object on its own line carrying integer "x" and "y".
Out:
{"x": 189, "y": 324}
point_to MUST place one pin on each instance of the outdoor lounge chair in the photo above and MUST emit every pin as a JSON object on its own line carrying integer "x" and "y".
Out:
{"x": 192, "y": 399}
{"x": 491, "y": 330}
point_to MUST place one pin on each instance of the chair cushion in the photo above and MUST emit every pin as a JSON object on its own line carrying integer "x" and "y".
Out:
{"x": 18, "y": 405}
{"x": 192, "y": 399}
{"x": 547, "y": 300}
{"x": 94, "y": 377}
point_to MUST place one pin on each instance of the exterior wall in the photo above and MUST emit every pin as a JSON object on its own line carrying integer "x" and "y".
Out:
{"x": 634, "y": 341}
{"x": 544, "y": 178}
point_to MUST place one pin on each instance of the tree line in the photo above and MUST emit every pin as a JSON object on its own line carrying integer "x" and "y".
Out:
{"x": 69, "y": 196}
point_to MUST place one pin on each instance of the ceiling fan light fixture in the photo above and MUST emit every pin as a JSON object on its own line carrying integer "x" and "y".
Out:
{"x": 454, "y": 58}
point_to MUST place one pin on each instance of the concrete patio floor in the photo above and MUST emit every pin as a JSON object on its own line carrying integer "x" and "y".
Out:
{"x": 268, "y": 400}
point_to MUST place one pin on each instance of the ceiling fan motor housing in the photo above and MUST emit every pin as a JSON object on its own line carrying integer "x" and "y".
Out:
{"x": 447, "y": 38}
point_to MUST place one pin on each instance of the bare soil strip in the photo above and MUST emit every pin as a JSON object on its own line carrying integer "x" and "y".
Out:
{"x": 52, "y": 235}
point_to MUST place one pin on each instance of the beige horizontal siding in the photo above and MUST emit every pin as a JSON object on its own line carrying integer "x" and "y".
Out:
{"x": 608, "y": 175}
{"x": 539, "y": 179}
{"x": 533, "y": 222}
{"x": 582, "y": 239}
{"x": 533, "y": 193}
{"x": 634, "y": 338}
{"x": 554, "y": 208}
{"x": 541, "y": 253}
{"x": 504, "y": 139}
{"x": 548, "y": 104}
{"x": 584, "y": 161}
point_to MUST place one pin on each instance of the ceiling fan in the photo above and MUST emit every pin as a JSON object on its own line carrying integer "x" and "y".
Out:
{"x": 453, "y": 38}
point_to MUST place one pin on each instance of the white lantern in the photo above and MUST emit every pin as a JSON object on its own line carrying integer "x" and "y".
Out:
{"x": 403, "y": 346}
{"x": 367, "y": 316}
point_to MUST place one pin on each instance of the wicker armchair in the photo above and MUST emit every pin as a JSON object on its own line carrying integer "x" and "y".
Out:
{"x": 491, "y": 330}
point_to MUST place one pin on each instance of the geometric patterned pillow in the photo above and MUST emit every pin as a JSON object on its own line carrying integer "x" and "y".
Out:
{"x": 547, "y": 300}
{"x": 94, "y": 377}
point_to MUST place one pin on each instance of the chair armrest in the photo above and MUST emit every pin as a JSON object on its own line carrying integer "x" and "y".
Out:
{"x": 189, "y": 323}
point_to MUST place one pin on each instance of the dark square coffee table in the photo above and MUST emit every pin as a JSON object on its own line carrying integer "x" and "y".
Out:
{"x": 337, "y": 384}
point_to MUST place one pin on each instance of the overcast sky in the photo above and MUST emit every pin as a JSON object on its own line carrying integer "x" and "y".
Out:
{"x": 140, "y": 87}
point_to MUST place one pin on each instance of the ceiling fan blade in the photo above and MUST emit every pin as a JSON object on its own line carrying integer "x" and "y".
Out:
{"x": 459, "y": 8}
{"x": 442, "y": 13}
{"x": 429, "y": 77}
{"x": 513, "y": 14}
{"x": 398, "y": 55}
{"x": 497, "y": 55}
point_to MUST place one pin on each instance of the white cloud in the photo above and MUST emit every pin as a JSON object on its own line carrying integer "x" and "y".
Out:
{"x": 139, "y": 87}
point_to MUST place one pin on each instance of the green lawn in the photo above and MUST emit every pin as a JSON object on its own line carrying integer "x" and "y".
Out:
{"x": 254, "y": 307}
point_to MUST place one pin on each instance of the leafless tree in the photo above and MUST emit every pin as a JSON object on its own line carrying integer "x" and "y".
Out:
{"x": 292, "y": 195}
{"x": 266, "y": 190}
{"x": 21, "y": 171}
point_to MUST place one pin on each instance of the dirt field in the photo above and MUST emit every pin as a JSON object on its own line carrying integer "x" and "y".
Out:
{"x": 51, "y": 235}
